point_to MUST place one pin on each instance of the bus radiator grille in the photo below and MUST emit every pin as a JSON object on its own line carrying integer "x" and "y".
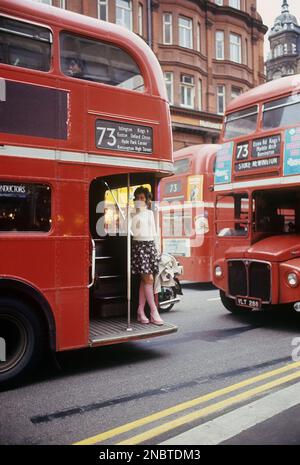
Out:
{"x": 249, "y": 279}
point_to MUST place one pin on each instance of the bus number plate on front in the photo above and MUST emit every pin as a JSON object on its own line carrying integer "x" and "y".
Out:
{"x": 123, "y": 137}
{"x": 248, "y": 302}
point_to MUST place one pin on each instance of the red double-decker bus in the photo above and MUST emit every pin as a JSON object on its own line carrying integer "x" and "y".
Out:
{"x": 83, "y": 115}
{"x": 187, "y": 211}
{"x": 257, "y": 244}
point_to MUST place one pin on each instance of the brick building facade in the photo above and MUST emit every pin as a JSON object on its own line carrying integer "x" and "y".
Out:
{"x": 210, "y": 52}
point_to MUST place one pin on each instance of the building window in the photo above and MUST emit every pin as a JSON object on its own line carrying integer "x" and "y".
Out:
{"x": 140, "y": 19}
{"x": 124, "y": 13}
{"x": 185, "y": 32}
{"x": 221, "y": 99}
{"x": 187, "y": 88}
{"x": 102, "y": 10}
{"x": 25, "y": 207}
{"x": 62, "y": 4}
{"x": 220, "y": 47}
{"x": 46, "y": 2}
{"x": 235, "y": 92}
{"x": 235, "y": 4}
{"x": 294, "y": 49}
{"x": 219, "y": 2}
{"x": 235, "y": 48}
{"x": 198, "y": 37}
{"x": 278, "y": 51}
{"x": 170, "y": 86}
{"x": 200, "y": 95}
{"x": 167, "y": 29}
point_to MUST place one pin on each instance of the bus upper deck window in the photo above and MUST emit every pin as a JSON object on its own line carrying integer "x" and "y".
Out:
{"x": 241, "y": 123}
{"x": 25, "y": 45}
{"x": 282, "y": 112}
{"x": 182, "y": 166}
{"x": 99, "y": 62}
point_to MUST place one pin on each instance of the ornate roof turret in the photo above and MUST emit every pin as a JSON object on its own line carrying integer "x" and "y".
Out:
{"x": 285, "y": 21}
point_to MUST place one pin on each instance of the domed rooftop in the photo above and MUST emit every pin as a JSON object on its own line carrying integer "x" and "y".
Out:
{"x": 285, "y": 20}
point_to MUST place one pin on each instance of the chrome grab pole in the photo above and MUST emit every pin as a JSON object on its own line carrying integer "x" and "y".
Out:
{"x": 115, "y": 199}
{"x": 129, "y": 328}
{"x": 117, "y": 203}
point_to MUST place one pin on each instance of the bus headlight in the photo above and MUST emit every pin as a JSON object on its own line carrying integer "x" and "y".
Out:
{"x": 218, "y": 272}
{"x": 292, "y": 279}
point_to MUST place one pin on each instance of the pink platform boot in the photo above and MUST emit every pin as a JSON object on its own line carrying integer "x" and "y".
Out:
{"x": 141, "y": 317}
{"x": 154, "y": 317}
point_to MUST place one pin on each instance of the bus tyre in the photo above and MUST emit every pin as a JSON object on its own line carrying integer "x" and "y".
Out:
{"x": 229, "y": 304}
{"x": 21, "y": 341}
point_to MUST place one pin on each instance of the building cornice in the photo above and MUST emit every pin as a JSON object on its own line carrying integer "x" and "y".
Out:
{"x": 196, "y": 113}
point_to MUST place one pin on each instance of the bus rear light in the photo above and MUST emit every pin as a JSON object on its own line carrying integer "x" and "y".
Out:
{"x": 293, "y": 280}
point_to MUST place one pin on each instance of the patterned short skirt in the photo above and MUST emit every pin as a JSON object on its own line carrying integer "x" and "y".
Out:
{"x": 144, "y": 257}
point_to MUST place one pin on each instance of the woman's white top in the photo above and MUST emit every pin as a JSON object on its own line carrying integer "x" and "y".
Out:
{"x": 143, "y": 226}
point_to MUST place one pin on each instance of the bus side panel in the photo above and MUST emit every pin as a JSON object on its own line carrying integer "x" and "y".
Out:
{"x": 72, "y": 261}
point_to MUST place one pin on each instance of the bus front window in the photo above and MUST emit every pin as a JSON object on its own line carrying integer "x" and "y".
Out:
{"x": 241, "y": 123}
{"x": 232, "y": 215}
{"x": 277, "y": 212}
{"x": 282, "y": 112}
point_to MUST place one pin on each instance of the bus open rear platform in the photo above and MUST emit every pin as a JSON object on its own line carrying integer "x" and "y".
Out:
{"x": 114, "y": 331}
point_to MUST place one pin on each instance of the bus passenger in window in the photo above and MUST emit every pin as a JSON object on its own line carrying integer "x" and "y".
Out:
{"x": 145, "y": 255}
{"x": 75, "y": 69}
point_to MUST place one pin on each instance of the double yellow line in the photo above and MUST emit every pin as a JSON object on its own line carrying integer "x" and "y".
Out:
{"x": 202, "y": 412}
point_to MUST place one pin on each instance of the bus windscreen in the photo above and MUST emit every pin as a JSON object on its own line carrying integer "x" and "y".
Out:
{"x": 241, "y": 123}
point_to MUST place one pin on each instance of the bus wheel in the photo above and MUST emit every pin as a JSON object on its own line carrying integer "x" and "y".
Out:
{"x": 21, "y": 341}
{"x": 230, "y": 305}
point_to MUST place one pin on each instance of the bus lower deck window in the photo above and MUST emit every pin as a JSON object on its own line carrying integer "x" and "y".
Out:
{"x": 25, "y": 207}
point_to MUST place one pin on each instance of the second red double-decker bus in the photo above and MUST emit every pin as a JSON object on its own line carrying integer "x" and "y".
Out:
{"x": 187, "y": 211}
{"x": 257, "y": 243}
{"x": 83, "y": 115}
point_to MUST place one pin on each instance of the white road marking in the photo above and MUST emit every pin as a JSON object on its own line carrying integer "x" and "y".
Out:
{"x": 214, "y": 299}
{"x": 233, "y": 423}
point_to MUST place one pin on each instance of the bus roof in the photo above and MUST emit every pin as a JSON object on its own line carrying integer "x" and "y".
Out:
{"x": 197, "y": 151}
{"x": 85, "y": 25}
{"x": 265, "y": 92}
{"x": 201, "y": 154}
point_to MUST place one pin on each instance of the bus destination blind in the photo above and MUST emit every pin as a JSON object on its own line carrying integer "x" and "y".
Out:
{"x": 123, "y": 137}
{"x": 265, "y": 153}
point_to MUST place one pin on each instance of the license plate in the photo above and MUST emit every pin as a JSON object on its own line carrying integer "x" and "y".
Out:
{"x": 248, "y": 302}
